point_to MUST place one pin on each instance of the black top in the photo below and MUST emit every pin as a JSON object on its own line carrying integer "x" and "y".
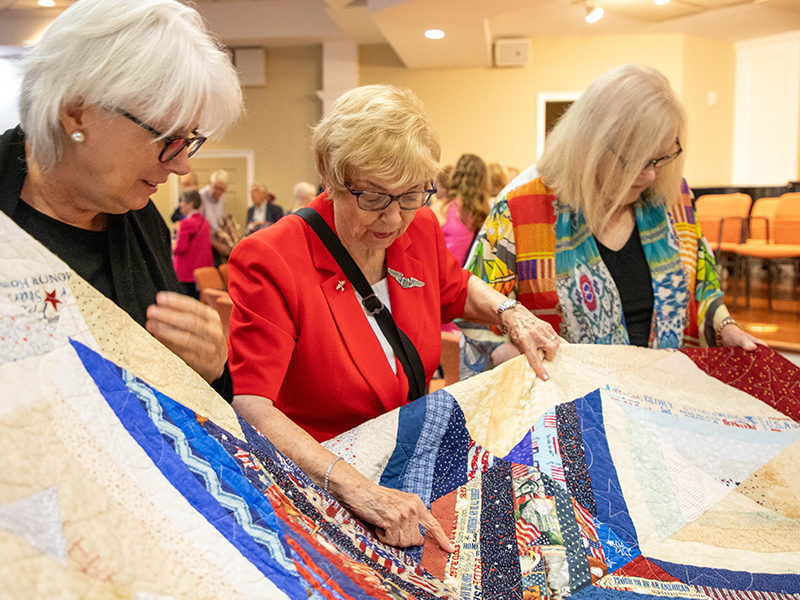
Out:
{"x": 86, "y": 252}
{"x": 628, "y": 266}
{"x": 129, "y": 263}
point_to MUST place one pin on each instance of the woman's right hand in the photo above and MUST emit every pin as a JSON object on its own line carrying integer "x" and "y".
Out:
{"x": 397, "y": 516}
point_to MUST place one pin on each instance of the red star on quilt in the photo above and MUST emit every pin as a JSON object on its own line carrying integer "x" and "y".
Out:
{"x": 51, "y": 298}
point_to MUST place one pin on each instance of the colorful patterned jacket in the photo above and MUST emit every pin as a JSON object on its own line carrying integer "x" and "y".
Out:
{"x": 541, "y": 252}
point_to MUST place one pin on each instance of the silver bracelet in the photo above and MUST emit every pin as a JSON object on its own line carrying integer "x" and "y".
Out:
{"x": 328, "y": 472}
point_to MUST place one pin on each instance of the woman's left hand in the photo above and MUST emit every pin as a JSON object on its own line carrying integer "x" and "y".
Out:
{"x": 733, "y": 336}
{"x": 192, "y": 330}
{"x": 530, "y": 335}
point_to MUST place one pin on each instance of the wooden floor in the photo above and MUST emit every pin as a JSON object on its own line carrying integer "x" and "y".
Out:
{"x": 779, "y": 327}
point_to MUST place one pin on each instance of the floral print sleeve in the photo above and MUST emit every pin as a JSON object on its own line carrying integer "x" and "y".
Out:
{"x": 494, "y": 261}
{"x": 708, "y": 293}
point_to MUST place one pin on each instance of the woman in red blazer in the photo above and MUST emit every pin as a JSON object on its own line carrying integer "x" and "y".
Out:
{"x": 307, "y": 362}
{"x": 192, "y": 248}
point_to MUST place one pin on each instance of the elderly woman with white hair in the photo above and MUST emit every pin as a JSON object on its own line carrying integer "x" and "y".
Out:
{"x": 599, "y": 237}
{"x": 338, "y": 308}
{"x": 117, "y": 95}
{"x": 303, "y": 193}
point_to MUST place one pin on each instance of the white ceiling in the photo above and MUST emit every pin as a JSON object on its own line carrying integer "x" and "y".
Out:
{"x": 470, "y": 26}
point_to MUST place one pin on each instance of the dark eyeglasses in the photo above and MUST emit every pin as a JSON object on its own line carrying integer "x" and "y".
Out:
{"x": 172, "y": 145}
{"x": 664, "y": 160}
{"x": 373, "y": 201}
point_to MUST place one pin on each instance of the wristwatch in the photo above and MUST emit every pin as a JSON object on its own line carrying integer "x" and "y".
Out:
{"x": 506, "y": 304}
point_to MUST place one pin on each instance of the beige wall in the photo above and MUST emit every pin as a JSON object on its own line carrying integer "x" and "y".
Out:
{"x": 709, "y": 66}
{"x": 276, "y": 124}
{"x": 492, "y": 112}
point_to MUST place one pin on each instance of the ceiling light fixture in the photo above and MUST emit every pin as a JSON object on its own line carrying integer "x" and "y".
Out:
{"x": 593, "y": 12}
{"x": 47, "y": 2}
{"x": 660, "y": 2}
{"x": 434, "y": 34}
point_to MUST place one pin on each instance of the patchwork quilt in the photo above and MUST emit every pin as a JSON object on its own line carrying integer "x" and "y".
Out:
{"x": 631, "y": 472}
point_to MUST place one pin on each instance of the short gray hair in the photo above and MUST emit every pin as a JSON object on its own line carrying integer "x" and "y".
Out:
{"x": 153, "y": 58}
{"x": 598, "y": 148}
{"x": 303, "y": 189}
{"x": 379, "y": 131}
{"x": 220, "y": 176}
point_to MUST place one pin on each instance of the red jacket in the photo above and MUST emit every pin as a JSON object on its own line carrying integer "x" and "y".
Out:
{"x": 193, "y": 247}
{"x": 300, "y": 338}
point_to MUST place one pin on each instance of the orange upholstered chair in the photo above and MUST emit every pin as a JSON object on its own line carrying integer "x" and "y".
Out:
{"x": 211, "y": 295}
{"x": 449, "y": 362}
{"x": 449, "y": 359}
{"x": 224, "y": 307}
{"x": 722, "y": 219}
{"x": 785, "y": 234}
{"x": 762, "y": 217}
{"x": 208, "y": 277}
{"x": 223, "y": 271}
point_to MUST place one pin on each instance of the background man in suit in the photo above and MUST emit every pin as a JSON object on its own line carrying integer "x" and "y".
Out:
{"x": 264, "y": 211}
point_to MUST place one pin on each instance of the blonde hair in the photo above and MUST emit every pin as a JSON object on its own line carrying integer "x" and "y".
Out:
{"x": 600, "y": 145}
{"x": 153, "y": 58}
{"x": 471, "y": 185}
{"x": 376, "y": 131}
{"x": 498, "y": 177}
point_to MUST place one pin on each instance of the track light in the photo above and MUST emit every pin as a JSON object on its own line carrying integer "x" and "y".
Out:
{"x": 593, "y": 12}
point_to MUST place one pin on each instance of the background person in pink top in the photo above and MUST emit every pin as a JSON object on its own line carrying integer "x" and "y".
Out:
{"x": 193, "y": 243}
{"x": 467, "y": 205}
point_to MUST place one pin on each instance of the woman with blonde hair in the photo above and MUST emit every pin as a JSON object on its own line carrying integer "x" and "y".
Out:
{"x": 338, "y": 307}
{"x": 467, "y": 205}
{"x": 599, "y": 237}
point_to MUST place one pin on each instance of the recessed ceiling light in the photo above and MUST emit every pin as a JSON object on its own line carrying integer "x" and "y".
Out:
{"x": 594, "y": 15}
{"x": 660, "y": 1}
{"x": 47, "y": 2}
{"x": 434, "y": 34}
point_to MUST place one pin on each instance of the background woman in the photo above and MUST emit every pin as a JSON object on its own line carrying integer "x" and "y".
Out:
{"x": 467, "y": 205}
{"x": 498, "y": 179}
{"x": 193, "y": 243}
{"x": 114, "y": 98}
{"x": 599, "y": 237}
{"x": 308, "y": 359}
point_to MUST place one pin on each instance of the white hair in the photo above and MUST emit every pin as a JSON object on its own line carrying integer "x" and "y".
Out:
{"x": 220, "y": 176}
{"x": 152, "y": 58}
{"x": 304, "y": 190}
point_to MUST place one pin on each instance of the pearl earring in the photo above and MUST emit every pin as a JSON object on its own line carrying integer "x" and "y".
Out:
{"x": 78, "y": 137}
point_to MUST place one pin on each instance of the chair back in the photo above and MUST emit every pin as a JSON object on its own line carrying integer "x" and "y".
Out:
{"x": 208, "y": 277}
{"x": 449, "y": 359}
{"x": 223, "y": 271}
{"x": 224, "y": 307}
{"x": 728, "y": 209}
{"x": 211, "y": 295}
{"x": 762, "y": 219}
{"x": 787, "y": 220}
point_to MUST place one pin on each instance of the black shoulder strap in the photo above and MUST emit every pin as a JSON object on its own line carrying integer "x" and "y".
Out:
{"x": 401, "y": 344}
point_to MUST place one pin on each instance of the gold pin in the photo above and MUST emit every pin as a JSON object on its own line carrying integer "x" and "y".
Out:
{"x": 340, "y": 286}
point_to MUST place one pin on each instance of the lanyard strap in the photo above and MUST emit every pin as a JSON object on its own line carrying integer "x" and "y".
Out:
{"x": 403, "y": 347}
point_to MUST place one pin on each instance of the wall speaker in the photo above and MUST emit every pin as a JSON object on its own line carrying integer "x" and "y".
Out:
{"x": 512, "y": 52}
